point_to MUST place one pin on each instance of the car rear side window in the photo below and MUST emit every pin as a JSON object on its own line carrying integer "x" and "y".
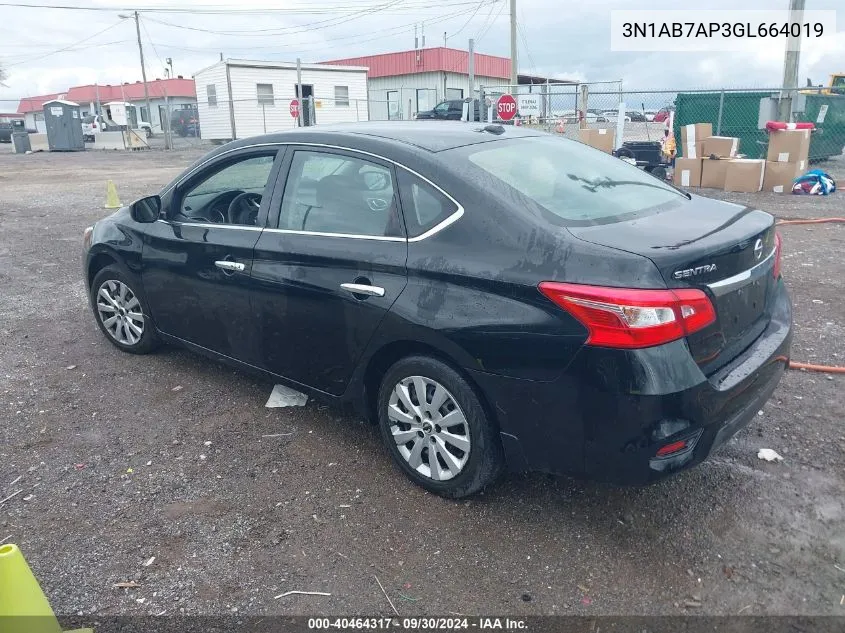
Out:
{"x": 576, "y": 183}
{"x": 339, "y": 194}
{"x": 424, "y": 206}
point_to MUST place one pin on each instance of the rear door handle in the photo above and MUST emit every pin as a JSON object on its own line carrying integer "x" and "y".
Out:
{"x": 364, "y": 289}
{"x": 230, "y": 266}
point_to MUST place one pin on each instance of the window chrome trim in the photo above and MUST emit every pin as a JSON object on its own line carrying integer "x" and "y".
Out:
{"x": 354, "y": 236}
{"x": 204, "y": 225}
{"x": 451, "y": 219}
{"x": 729, "y": 284}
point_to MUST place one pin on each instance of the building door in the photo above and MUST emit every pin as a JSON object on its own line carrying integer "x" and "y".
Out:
{"x": 308, "y": 114}
{"x": 394, "y": 108}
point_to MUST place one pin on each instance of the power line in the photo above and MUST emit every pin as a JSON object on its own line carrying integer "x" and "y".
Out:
{"x": 302, "y": 10}
{"x": 492, "y": 22}
{"x": 349, "y": 17}
{"x": 65, "y": 48}
{"x": 393, "y": 31}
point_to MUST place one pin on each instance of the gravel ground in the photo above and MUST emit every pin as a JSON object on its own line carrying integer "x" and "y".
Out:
{"x": 123, "y": 458}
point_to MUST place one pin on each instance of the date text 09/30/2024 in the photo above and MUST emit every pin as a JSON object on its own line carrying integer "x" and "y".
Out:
{"x": 418, "y": 624}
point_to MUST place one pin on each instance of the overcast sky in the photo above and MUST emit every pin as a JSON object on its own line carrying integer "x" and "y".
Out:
{"x": 567, "y": 39}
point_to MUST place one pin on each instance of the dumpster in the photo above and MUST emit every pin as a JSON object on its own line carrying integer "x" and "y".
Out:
{"x": 20, "y": 137}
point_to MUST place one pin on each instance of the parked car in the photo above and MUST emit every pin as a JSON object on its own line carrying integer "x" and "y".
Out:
{"x": 5, "y": 132}
{"x": 491, "y": 297}
{"x": 663, "y": 114}
{"x": 613, "y": 116}
{"x": 93, "y": 124}
{"x": 571, "y": 116}
{"x": 649, "y": 115}
{"x": 185, "y": 122}
{"x": 635, "y": 116}
{"x": 451, "y": 110}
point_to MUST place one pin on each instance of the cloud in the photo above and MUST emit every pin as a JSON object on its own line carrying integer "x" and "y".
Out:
{"x": 561, "y": 42}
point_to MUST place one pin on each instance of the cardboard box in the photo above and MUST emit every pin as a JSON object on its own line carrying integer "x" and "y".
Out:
{"x": 779, "y": 176}
{"x": 744, "y": 175}
{"x": 692, "y": 139}
{"x": 602, "y": 139}
{"x": 789, "y": 146}
{"x": 713, "y": 172}
{"x": 687, "y": 172}
{"x": 721, "y": 146}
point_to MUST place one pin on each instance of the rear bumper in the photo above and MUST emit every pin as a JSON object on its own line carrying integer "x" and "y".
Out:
{"x": 612, "y": 410}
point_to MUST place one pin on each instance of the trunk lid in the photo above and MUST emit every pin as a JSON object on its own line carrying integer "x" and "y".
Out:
{"x": 724, "y": 249}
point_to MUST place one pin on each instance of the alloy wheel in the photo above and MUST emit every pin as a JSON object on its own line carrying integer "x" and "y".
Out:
{"x": 429, "y": 428}
{"x": 120, "y": 312}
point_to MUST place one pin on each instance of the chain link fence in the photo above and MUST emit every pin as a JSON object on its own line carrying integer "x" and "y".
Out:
{"x": 646, "y": 114}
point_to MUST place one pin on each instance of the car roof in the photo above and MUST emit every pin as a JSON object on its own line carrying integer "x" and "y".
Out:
{"x": 433, "y": 136}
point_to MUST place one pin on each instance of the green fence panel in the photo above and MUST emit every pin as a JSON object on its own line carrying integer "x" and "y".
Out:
{"x": 740, "y": 111}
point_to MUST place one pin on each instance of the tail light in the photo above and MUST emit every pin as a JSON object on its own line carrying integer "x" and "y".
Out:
{"x": 674, "y": 447}
{"x": 778, "y": 250}
{"x": 94, "y": 125}
{"x": 632, "y": 318}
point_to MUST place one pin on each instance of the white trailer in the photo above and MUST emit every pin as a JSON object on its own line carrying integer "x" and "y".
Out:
{"x": 240, "y": 98}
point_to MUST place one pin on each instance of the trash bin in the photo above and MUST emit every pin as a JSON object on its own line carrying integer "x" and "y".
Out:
{"x": 20, "y": 137}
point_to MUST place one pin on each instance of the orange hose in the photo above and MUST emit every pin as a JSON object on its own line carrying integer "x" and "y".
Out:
{"x": 825, "y": 368}
{"x": 810, "y": 221}
{"x": 809, "y": 367}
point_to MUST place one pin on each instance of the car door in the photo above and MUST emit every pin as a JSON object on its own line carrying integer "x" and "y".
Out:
{"x": 455, "y": 111}
{"x": 196, "y": 262}
{"x": 441, "y": 110}
{"x": 329, "y": 267}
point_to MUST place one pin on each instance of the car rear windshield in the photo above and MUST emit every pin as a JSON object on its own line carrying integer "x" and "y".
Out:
{"x": 574, "y": 182}
{"x": 88, "y": 119}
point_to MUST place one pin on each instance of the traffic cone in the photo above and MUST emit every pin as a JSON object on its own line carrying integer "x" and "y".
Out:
{"x": 23, "y": 606}
{"x": 112, "y": 200}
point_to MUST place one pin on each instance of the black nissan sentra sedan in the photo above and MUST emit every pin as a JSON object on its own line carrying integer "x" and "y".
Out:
{"x": 494, "y": 298}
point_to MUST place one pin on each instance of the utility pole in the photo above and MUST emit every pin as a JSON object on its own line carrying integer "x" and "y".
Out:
{"x": 514, "y": 74}
{"x": 790, "y": 62}
{"x": 143, "y": 68}
{"x": 471, "y": 73}
{"x": 299, "y": 91}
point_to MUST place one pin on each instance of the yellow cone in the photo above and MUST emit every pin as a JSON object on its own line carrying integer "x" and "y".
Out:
{"x": 112, "y": 200}
{"x": 23, "y": 606}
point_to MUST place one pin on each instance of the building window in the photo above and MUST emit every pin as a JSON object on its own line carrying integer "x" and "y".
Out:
{"x": 145, "y": 115}
{"x": 426, "y": 99}
{"x": 341, "y": 95}
{"x": 265, "y": 94}
{"x": 211, "y": 91}
{"x": 454, "y": 93}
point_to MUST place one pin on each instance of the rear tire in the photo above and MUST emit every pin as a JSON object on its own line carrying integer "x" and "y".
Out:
{"x": 444, "y": 440}
{"x": 121, "y": 312}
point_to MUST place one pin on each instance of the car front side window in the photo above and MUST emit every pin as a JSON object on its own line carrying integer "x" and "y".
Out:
{"x": 339, "y": 194}
{"x": 229, "y": 195}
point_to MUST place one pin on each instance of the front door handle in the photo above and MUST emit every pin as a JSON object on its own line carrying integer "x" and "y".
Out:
{"x": 364, "y": 289}
{"x": 230, "y": 266}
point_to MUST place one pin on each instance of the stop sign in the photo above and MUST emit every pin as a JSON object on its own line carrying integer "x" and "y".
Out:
{"x": 506, "y": 107}
{"x": 294, "y": 108}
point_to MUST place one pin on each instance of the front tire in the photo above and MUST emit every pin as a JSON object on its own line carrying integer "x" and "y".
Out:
{"x": 436, "y": 428}
{"x": 121, "y": 312}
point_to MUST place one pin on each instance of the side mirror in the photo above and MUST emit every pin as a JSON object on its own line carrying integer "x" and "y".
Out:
{"x": 146, "y": 210}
